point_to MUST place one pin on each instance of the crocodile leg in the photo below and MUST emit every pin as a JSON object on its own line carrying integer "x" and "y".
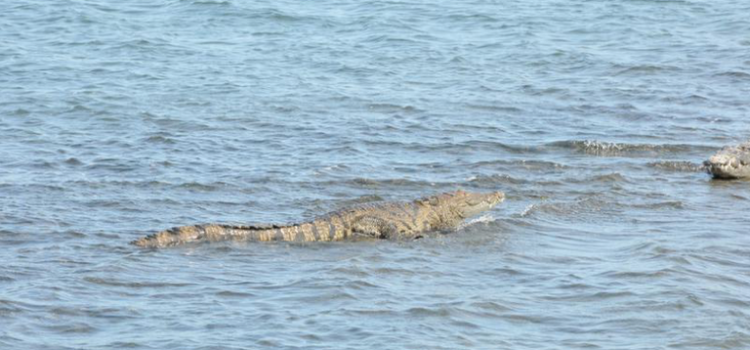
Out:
{"x": 373, "y": 227}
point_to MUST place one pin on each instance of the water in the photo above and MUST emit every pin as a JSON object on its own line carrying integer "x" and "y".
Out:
{"x": 118, "y": 119}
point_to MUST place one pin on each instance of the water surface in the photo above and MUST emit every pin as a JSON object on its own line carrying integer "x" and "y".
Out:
{"x": 118, "y": 119}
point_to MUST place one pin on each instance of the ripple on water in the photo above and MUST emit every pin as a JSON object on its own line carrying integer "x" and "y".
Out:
{"x": 677, "y": 166}
{"x": 611, "y": 149}
{"x": 591, "y": 115}
{"x": 110, "y": 282}
{"x": 10, "y": 308}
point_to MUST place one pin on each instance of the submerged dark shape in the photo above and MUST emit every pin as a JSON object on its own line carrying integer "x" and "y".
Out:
{"x": 385, "y": 220}
{"x": 731, "y": 162}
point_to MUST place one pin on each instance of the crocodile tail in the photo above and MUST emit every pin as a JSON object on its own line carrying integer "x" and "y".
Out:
{"x": 211, "y": 233}
{"x": 321, "y": 230}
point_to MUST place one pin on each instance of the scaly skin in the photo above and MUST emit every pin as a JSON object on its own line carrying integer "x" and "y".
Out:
{"x": 388, "y": 220}
{"x": 731, "y": 162}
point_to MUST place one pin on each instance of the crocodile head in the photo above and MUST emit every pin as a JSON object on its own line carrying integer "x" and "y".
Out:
{"x": 465, "y": 204}
{"x": 732, "y": 162}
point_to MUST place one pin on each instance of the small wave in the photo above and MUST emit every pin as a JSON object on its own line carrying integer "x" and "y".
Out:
{"x": 77, "y": 327}
{"x": 203, "y": 187}
{"x": 95, "y": 184}
{"x": 638, "y": 275}
{"x": 116, "y": 283}
{"x": 211, "y": 3}
{"x": 393, "y": 271}
{"x": 646, "y": 69}
{"x": 20, "y": 112}
{"x": 597, "y": 296}
{"x": 73, "y": 162}
{"x": 34, "y": 187}
{"x": 109, "y": 313}
{"x": 528, "y": 210}
{"x": 360, "y": 285}
{"x": 494, "y": 145}
{"x": 351, "y": 271}
{"x": 361, "y": 200}
{"x": 8, "y": 307}
{"x": 576, "y": 207}
{"x": 495, "y": 108}
{"x": 455, "y": 147}
{"x": 523, "y": 164}
{"x": 601, "y": 148}
{"x": 330, "y": 296}
{"x": 234, "y": 294}
{"x": 6, "y": 279}
{"x": 525, "y": 318}
{"x": 393, "y": 108}
{"x": 111, "y": 164}
{"x": 372, "y": 183}
{"x": 734, "y": 75}
{"x": 160, "y": 139}
{"x": 429, "y": 312}
{"x": 491, "y": 306}
{"x": 660, "y": 205}
{"x": 612, "y": 177}
{"x": 677, "y": 166}
{"x": 471, "y": 18}
{"x": 484, "y": 219}
{"x": 496, "y": 179}
{"x": 124, "y": 345}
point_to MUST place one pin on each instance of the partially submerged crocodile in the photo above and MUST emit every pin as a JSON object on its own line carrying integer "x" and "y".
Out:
{"x": 731, "y": 162}
{"x": 385, "y": 220}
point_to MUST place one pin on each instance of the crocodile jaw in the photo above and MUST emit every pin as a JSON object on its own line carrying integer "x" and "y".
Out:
{"x": 476, "y": 203}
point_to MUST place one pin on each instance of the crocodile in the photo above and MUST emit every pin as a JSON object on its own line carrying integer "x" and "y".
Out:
{"x": 731, "y": 162}
{"x": 380, "y": 220}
